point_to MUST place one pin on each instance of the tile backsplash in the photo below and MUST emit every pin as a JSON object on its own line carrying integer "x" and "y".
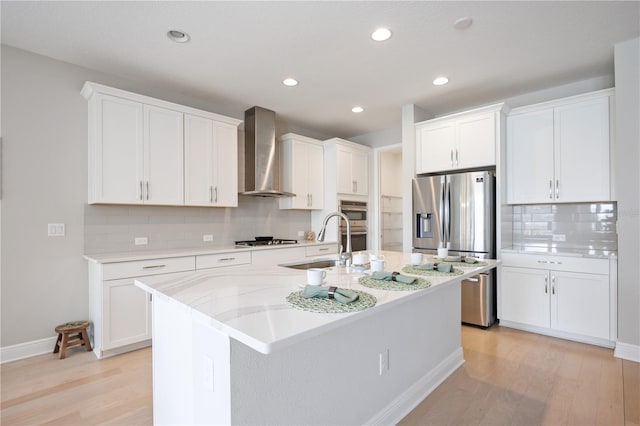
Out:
{"x": 590, "y": 226}
{"x": 111, "y": 229}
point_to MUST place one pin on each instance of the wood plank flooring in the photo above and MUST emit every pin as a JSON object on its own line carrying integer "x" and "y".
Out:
{"x": 509, "y": 378}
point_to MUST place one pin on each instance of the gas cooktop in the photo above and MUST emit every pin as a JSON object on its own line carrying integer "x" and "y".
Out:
{"x": 265, "y": 241}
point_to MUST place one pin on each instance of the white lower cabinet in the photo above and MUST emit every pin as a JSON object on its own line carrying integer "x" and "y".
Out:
{"x": 121, "y": 312}
{"x": 546, "y": 294}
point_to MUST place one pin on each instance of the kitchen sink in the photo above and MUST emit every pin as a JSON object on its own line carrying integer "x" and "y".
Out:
{"x": 323, "y": 263}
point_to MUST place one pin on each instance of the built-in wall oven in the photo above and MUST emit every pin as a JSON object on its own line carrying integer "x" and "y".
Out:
{"x": 356, "y": 211}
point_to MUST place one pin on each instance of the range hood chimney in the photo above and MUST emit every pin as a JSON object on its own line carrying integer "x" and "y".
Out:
{"x": 260, "y": 154}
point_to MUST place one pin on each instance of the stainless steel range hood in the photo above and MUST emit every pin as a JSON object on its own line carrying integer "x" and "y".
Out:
{"x": 260, "y": 164}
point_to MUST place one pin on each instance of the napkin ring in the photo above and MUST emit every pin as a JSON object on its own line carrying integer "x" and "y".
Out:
{"x": 332, "y": 292}
{"x": 393, "y": 276}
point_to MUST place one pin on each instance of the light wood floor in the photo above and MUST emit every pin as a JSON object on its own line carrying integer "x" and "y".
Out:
{"x": 509, "y": 378}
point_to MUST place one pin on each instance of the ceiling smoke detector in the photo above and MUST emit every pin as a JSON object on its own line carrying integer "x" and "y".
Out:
{"x": 178, "y": 36}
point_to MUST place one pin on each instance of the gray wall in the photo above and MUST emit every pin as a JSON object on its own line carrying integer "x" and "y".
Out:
{"x": 44, "y": 131}
{"x": 627, "y": 181}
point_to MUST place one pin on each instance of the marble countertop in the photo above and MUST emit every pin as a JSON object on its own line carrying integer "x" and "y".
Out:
{"x": 555, "y": 251}
{"x": 195, "y": 251}
{"x": 247, "y": 302}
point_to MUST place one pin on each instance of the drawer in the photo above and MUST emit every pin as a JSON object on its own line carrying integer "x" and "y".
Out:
{"x": 316, "y": 250}
{"x": 141, "y": 268}
{"x": 557, "y": 263}
{"x": 223, "y": 259}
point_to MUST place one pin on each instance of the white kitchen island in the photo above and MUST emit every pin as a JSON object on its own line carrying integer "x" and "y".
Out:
{"x": 229, "y": 349}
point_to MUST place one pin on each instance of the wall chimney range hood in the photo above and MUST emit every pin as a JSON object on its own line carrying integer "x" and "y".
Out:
{"x": 260, "y": 154}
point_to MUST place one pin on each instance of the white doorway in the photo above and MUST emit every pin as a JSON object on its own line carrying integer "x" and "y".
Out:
{"x": 390, "y": 198}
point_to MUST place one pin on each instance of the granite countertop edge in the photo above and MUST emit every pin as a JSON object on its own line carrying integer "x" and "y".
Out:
{"x": 594, "y": 254}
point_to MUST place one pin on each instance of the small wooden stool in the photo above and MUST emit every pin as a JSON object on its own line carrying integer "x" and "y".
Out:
{"x": 71, "y": 334}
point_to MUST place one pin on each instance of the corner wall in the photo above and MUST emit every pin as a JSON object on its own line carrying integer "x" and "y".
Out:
{"x": 627, "y": 183}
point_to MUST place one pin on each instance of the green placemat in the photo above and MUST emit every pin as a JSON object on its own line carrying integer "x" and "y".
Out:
{"x": 415, "y": 271}
{"x": 393, "y": 285}
{"x": 327, "y": 306}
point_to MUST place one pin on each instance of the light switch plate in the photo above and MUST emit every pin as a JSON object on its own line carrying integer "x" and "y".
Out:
{"x": 55, "y": 230}
{"x": 207, "y": 237}
{"x": 141, "y": 241}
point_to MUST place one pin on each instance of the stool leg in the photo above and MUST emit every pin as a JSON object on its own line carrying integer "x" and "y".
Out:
{"x": 85, "y": 339}
{"x": 56, "y": 349}
{"x": 63, "y": 345}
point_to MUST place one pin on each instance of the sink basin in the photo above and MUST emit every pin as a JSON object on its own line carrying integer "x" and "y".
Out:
{"x": 323, "y": 263}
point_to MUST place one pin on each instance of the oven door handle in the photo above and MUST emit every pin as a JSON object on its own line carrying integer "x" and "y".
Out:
{"x": 353, "y": 209}
{"x": 356, "y": 233}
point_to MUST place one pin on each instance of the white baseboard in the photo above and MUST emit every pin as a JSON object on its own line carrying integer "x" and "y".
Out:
{"x": 559, "y": 334}
{"x": 27, "y": 349}
{"x": 627, "y": 351}
{"x": 416, "y": 393}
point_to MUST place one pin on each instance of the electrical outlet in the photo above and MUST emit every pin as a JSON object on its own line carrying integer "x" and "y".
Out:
{"x": 383, "y": 362}
{"x": 141, "y": 241}
{"x": 55, "y": 230}
{"x": 207, "y": 237}
{"x": 300, "y": 233}
{"x": 559, "y": 237}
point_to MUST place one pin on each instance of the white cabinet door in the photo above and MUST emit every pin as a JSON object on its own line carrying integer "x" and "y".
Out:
{"x": 476, "y": 141}
{"x": 525, "y": 296}
{"x": 582, "y": 151}
{"x": 126, "y": 314}
{"x": 435, "y": 144}
{"x": 198, "y": 156}
{"x": 115, "y": 150}
{"x": 211, "y": 163}
{"x": 360, "y": 172}
{"x": 530, "y": 157}
{"x": 580, "y": 303}
{"x": 345, "y": 179}
{"x": 163, "y": 154}
{"x": 315, "y": 176}
{"x": 225, "y": 170}
{"x": 353, "y": 171}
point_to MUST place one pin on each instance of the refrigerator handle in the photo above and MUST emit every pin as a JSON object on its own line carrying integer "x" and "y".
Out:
{"x": 442, "y": 214}
{"x": 446, "y": 219}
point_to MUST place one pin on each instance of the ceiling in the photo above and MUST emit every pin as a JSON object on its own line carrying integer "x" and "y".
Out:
{"x": 240, "y": 52}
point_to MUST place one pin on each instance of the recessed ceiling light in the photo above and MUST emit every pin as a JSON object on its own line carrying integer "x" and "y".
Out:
{"x": 440, "y": 81}
{"x": 290, "y": 82}
{"x": 357, "y": 109}
{"x": 462, "y": 23}
{"x": 178, "y": 36}
{"x": 381, "y": 34}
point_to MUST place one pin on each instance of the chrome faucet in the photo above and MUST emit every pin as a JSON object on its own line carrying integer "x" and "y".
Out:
{"x": 345, "y": 258}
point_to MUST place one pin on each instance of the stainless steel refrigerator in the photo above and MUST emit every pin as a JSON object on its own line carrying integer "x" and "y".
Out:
{"x": 457, "y": 211}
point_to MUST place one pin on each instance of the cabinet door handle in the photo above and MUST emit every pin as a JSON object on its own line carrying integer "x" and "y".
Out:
{"x": 557, "y": 189}
{"x": 546, "y": 282}
{"x": 451, "y": 157}
{"x": 141, "y": 191}
{"x": 211, "y": 194}
{"x": 308, "y": 200}
{"x": 154, "y": 266}
{"x": 311, "y": 198}
{"x": 216, "y": 192}
{"x": 550, "y": 189}
{"x": 147, "y": 190}
{"x": 553, "y": 284}
{"x": 456, "y": 156}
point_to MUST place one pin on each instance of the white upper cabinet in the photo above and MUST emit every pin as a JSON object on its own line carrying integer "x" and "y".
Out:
{"x": 137, "y": 147}
{"x": 352, "y": 170}
{"x": 560, "y": 151}
{"x": 211, "y": 162}
{"x": 460, "y": 141}
{"x": 115, "y": 150}
{"x": 162, "y": 153}
{"x": 302, "y": 172}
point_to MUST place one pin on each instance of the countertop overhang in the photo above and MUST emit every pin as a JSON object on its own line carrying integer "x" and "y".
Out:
{"x": 247, "y": 302}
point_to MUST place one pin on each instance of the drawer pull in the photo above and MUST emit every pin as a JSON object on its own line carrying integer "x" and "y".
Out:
{"x": 324, "y": 249}
{"x": 542, "y": 261}
{"x": 154, "y": 266}
{"x": 226, "y": 259}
